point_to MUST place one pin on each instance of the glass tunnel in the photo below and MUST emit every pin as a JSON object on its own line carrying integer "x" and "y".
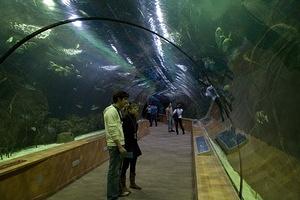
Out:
{"x": 61, "y": 61}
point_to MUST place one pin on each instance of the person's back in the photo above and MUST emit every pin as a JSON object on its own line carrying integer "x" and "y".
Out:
{"x": 178, "y": 120}
{"x": 179, "y": 112}
{"x": 154, "y": 112}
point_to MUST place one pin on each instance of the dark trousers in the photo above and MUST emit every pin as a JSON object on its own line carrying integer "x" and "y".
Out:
{"x": 126, "y": 163}
{"x": 179, "y": 121}
{"x": 153, "y": 117}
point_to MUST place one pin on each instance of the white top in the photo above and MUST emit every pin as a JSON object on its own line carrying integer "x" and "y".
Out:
{"x": 179, "y": 112}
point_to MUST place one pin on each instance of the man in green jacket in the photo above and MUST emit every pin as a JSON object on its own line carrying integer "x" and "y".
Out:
{"x": 115, "y": 143}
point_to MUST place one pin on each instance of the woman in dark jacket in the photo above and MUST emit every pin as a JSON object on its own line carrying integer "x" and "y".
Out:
{"x": 130, "y": 127}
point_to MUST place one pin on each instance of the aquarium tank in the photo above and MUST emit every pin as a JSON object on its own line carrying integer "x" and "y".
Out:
{"x": 61, "y": 61}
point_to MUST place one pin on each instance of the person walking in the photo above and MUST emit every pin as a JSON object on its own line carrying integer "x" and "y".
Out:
{"x": 169, "y": 115}
{"x": 153, "y": 114}
{"x": 115, "y": 141}
{"x": 177, "y": 116}
{"x": 130, "y": 128}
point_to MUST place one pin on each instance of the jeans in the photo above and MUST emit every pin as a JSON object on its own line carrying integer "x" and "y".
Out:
{"x": 170, "y": 123}
{"x": 113, "y": 176}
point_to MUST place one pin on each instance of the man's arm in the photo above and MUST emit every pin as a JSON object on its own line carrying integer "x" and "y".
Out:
{"x": 113, "y": 129}
{"x": 120, "y": 147}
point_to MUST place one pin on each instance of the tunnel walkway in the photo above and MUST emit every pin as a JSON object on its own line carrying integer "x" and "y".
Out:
{"x": 164, "y": 171}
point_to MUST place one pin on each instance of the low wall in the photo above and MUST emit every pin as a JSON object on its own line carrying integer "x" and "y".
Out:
{"x": 210, "y": 179}
{"x": 40, "y": 174}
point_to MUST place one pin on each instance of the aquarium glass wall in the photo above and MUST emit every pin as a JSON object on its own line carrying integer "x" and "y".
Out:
{"x": 58, "y": 82}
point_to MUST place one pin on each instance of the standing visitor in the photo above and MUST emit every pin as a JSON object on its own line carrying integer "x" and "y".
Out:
{"x": 169, "y": 115}
{"x": 115, "y": 142}
{"x": 130, "y": 128}
{"x": 149, "y": 113}
{"x": 177, "y": 116}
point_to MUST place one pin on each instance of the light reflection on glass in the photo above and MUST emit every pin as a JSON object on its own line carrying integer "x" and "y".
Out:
{"x": 76, "y": 23}
{"x": 66, "y": 2}
{"x": 28, "y": 29}
{"x": 72, "y": 52}
{"x": 110, "y": 67}
{"x": 49, "y": 3}
{"x": 182, "y": 67}
{"x": 156, "y": 38}
{"x": 129, "y": 60}
{"x": 160, "y": 18}
{"x": 114, "y": 48}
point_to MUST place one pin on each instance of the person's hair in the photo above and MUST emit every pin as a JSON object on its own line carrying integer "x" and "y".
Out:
{"x": 130, "y": 106}
{"x": 120, "y": 95}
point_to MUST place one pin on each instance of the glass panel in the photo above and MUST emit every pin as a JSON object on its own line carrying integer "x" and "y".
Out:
{"x": 61, "y": 80}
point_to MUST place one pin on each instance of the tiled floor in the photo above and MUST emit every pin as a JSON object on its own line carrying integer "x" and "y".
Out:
{"x": 164, "y": 171}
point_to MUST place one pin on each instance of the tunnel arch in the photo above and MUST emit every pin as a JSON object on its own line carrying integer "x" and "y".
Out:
{"x": 62, "y": 22}
{"x": 201, "y": 69}
{"x": 204, "y": 83}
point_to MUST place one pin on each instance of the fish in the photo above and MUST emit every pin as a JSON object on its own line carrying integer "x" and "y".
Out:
{"x": 226, "y": 44}
{"x": 78, "y": 106}
{"x": 9, "y": 40}
{"x": 246, "y": 58}
{"x": 33, "y": 128}
{"x": 94, "y": 107}
{"x": 29, "y": 87}
{"x": 97, "y": 88}
{"x": 83, "y": 13}
{"x": 25, "y": 116}
{"x": 2, "y": 80}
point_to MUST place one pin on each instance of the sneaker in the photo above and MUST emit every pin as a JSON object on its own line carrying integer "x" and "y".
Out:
{"x": 124, "y": 194}
{"x": 135, "y": 186}
{"x": 172, "y": 130}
